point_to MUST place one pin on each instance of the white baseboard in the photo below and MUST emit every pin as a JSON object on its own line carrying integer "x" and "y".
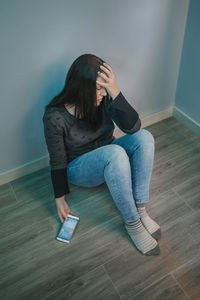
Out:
{"x": 157, "y": 117}
{"x": 186, "y": 120}
{"x": 43, "y": 162}
{"x": 25, "y": 169}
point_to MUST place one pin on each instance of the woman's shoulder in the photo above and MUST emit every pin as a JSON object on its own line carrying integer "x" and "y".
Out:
{"x": 55, "y": 112}
{"x": 57, "y": 117}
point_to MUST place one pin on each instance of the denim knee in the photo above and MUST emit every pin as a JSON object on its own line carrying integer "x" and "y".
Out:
{"x": 114, "y": 152}
{"x": 145, "y": 137}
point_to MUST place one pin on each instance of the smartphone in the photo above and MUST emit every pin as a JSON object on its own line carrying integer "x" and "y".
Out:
{"x": 67, "y": 229}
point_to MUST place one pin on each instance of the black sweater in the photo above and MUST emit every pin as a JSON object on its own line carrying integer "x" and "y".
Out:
{"x": 67, "y": 139}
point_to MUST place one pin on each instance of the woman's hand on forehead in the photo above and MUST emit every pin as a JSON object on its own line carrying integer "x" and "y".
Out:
{"x": 109, "y": 80}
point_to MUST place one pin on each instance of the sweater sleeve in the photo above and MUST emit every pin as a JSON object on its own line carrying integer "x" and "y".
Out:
{"x": 54, "y": 136}
{"x": 123, "y": 114}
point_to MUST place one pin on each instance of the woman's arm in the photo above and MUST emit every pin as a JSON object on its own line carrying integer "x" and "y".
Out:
{"x": 58, "y": 161}
{"x": 123, "y": 114}
{"x": 60, "y": 182}
{"x": 54, "y": 136}
{"x": 120, "y": 111}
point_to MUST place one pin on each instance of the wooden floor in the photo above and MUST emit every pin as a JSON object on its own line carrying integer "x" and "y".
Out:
{"x": 101, "y": 261}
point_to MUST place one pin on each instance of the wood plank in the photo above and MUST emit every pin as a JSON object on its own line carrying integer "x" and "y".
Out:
{"x": 94, "y": 285}
{"x": 164, "y": 289}
{"x": 188, "y": 277}
{"x": 43, "y": 264}
{"x": 7, "y": 197}
{"x": 189, "y": 191}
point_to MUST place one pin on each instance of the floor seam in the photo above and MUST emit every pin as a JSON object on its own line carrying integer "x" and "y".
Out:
{"x": 177, "y": 194}
{"x": 181, "y": 266}
{"x": 180, "y": 286}
{"x": 153, "y": 283}
{"x": 160, "y": 160}
{"x": 112, "y": 282}
{"x": 13, "y": 192}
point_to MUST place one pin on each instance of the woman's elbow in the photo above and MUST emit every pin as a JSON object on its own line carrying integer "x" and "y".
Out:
{"x": 135, "y": 128}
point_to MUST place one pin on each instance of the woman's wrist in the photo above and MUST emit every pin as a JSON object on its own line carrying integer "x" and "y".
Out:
{"x": 114, "y": 93}
{"x": 60, "y": 198}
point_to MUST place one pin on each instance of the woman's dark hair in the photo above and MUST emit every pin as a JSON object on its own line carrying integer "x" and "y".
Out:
{"x": 80, "y": 90}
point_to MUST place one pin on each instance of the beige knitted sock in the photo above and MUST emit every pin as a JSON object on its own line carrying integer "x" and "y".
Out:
{"x": 142, "y": 240}
{"x": 151, "y": 226}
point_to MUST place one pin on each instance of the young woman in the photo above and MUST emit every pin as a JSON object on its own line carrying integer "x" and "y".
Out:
{"x": 78, "y": 127}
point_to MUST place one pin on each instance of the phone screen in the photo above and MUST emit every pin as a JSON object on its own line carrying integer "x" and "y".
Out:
{"x": 67, "y": 229}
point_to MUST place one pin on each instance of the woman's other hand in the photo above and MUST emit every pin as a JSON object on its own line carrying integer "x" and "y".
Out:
{"x": 63, "y": 209}
{"x": 109, "y": 80}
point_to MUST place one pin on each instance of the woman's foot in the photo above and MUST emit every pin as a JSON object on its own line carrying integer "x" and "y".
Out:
{"x": 151, "y": 226}
{"x": 141, "y": 238}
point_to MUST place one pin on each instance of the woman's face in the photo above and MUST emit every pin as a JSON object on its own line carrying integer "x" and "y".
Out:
{"x": 100, "y": 91}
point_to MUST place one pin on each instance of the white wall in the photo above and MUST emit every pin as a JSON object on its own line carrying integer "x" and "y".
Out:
{"x": 39, "y": 39}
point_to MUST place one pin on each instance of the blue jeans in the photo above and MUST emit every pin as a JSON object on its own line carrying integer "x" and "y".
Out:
{"x": 125, "y": 165}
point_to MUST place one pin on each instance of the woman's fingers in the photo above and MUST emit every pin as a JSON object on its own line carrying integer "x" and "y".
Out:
{"x": 103, "y": 84}
{"x": 108, "y": 72}
{"x": 102, "y": 75}
{"x": 63, "y": 212}
{"x": 63, "y": 209}
{"x": 66, "y": 212}
{"x": 107, "y": 66}
{"x": 108, "y": 76}
{"x": 60, "y": 217}
{"x": 73, "y": 213}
